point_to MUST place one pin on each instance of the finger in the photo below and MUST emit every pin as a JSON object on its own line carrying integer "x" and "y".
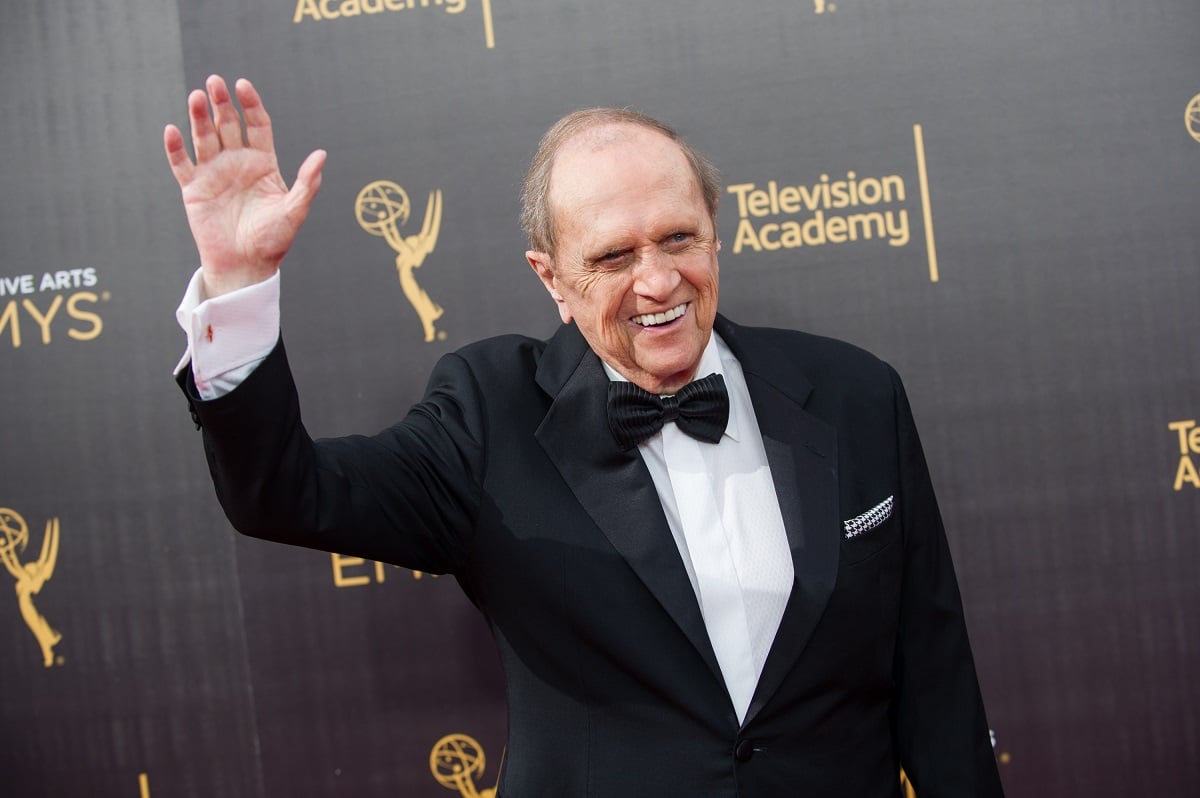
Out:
{"x": 177, "y": 155}
{"x": 225, "y": 116}
{"x": 204, "y": 134}
{"x": 308, "y": 181}
{"x": 258, "y": 124}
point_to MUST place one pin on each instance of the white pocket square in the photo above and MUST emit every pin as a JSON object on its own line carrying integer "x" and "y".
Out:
{"x": 869, "y": 520}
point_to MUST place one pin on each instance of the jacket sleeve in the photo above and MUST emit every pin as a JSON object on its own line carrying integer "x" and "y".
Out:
{"x": 942, "y": 732}
{"x": 406, "y": 496}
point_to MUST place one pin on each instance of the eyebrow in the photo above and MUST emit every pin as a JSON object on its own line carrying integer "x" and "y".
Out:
{"x": 604, "y": 253}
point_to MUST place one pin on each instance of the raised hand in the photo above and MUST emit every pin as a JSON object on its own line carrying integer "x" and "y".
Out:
{"x": 241, "y": 212}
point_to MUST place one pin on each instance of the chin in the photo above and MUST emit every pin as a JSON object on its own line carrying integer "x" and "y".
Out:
{"x": 670, "y": 376}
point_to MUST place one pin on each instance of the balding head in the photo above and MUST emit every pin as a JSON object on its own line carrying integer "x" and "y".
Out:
{"x": 596, "y": 127}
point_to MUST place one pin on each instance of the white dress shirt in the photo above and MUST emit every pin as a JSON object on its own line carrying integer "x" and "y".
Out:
{"x": 732, "y": 481}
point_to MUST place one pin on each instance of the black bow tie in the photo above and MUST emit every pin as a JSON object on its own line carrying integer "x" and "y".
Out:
{"x": 700, "y": 409}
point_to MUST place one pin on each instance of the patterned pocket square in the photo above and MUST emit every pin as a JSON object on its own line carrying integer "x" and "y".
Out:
{"x": 869, "y": 520}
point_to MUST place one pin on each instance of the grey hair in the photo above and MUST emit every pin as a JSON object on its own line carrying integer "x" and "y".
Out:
{"x": 537, "y": 217}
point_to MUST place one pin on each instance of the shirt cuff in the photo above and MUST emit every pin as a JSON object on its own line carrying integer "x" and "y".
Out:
{"x": 227, "y": 336}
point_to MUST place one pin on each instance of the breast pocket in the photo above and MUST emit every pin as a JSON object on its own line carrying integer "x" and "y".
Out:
{"x": 869, "y": 532}
{"x": 862, "y": 610}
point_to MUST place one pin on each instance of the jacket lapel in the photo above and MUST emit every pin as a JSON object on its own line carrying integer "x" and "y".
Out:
{"x": 613, "y": 486}
{"x": 617, "y": 492}
{"x": 802, "y": 453}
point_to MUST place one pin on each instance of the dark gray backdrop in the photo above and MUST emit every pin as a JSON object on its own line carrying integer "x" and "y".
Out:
{"x": 1045, "y": 364}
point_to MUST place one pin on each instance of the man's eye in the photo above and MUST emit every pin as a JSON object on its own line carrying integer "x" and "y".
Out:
{"x": 679, "y": 239}
{"x": 611, "y": 259}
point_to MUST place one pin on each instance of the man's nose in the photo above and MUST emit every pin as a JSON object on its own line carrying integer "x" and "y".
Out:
{"x": 655, "y": 275}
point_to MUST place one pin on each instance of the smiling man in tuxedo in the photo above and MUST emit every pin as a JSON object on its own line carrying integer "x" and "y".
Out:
{"x": 710, "y": 554}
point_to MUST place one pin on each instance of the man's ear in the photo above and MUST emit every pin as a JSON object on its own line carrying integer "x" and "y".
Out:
{"x": 543, "y": 266}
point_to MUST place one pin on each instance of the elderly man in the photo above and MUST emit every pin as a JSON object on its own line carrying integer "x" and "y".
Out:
{"x": 710, "y": 554}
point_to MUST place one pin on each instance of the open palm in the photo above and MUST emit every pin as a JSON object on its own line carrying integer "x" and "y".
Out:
{"x": 242, "y": 214}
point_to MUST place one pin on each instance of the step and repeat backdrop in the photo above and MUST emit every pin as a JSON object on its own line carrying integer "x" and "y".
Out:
{"x": 1001, "y": 199}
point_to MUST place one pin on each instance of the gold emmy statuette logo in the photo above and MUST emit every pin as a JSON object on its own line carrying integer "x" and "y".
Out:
{"x": 1192, "y": 117}
{"x": 14, "y": 538}
{"x": 457, "y": 761}
{"x": 382, "y": 208}
{"x": 822, "y": 7}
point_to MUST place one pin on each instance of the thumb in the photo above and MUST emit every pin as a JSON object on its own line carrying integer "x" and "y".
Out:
{"x": 308, "y": 181}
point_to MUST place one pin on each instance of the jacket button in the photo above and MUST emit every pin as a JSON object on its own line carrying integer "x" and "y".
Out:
{"x": 744, "y": 750}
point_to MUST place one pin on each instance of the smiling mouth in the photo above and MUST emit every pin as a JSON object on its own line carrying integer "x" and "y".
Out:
{"x": 657, "y": 319}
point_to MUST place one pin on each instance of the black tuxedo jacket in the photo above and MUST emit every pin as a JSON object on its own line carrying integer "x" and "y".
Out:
{"x": 506, "y": 475}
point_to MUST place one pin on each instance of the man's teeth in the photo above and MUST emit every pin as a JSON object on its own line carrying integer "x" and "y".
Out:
{"x": 652, "y": 319}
